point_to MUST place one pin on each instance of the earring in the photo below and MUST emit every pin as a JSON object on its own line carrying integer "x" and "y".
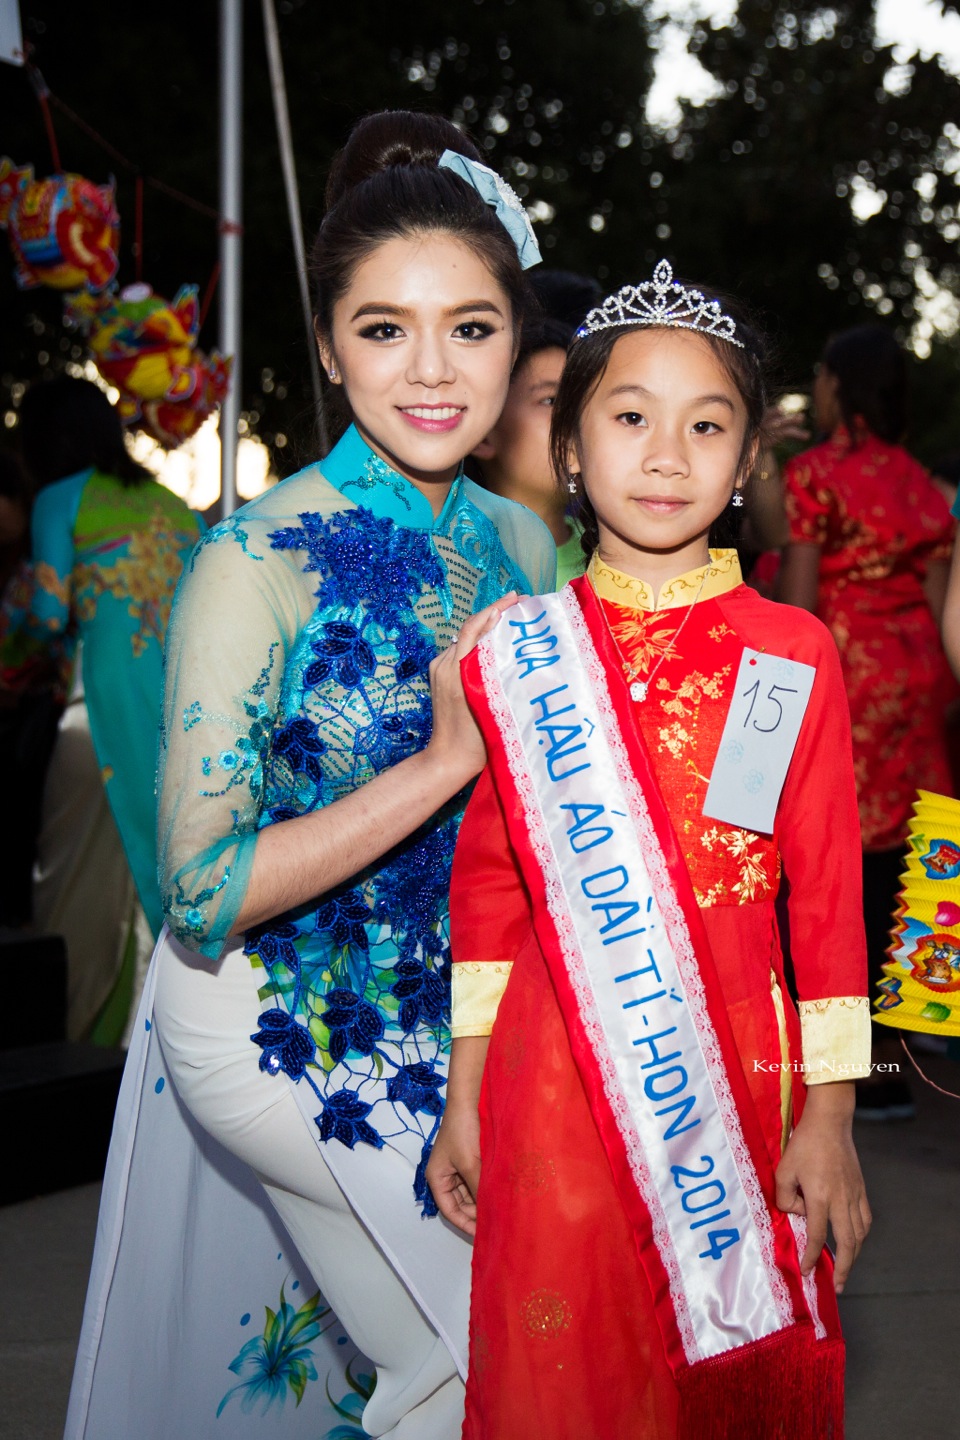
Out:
{"x": 333, "y": 373}
{"x": 736, "y": 499}
{"x": 572, "y": 483}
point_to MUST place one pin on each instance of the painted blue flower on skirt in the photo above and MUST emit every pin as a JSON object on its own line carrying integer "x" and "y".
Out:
{"x": 342, "y": 652}
{"x": 280, "y": 1359}
{"x": 417, "y": 1086}
{"x": 286, "y": 1045}
{"x": 420, "y": 992}
{"x": 344, "y": 917}
{"x": 298, "y": 742}
{"x": 353, "y": 1024}
{"x": 274, "y": 943}
{"x": 344, "y": 1118}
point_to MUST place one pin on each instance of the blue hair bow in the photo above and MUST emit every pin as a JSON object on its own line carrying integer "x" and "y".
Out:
{"x": 494, "y": 190}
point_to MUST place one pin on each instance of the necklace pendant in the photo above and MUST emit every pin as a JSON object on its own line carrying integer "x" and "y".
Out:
{"x": 638, "y": 690}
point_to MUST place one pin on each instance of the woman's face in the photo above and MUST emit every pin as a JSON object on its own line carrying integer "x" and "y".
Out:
{"x": 660, "y": 444}
{"x": 423, "y": 342}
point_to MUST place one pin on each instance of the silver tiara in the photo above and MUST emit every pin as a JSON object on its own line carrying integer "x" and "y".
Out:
{"x": 661, "y": 301}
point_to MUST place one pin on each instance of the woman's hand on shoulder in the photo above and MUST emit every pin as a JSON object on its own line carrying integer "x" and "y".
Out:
{"x": 820, "y": 1178}
{"x": 453, "y": 1170}
{"x": 456, "y": 742}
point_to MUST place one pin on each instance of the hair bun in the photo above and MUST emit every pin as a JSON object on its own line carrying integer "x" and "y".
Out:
{"x": 389, "y": 138}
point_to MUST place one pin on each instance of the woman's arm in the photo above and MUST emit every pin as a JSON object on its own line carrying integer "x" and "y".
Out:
{"x": 951, "y": 612}
{"x": 799, "y": 579}
{"x": 236, "y": 623}
{"x": 935, "y": 587}
{"x": 298, "y": 859}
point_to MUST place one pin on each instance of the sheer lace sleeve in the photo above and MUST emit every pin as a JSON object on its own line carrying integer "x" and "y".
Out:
{"x": 524, "y": 536}
{"x": 234, "y": 622}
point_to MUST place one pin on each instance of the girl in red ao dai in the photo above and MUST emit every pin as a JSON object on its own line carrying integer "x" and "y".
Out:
{"x": 596, "y": 1309}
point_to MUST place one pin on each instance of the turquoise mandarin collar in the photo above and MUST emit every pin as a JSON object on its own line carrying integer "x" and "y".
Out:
{"x": 361, "y": 476}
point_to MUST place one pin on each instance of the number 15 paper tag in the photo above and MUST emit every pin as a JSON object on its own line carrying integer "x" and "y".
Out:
{"x": 756, "y": 747}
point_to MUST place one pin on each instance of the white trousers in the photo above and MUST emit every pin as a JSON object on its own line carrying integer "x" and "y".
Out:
{"x": 205, "y": 1016}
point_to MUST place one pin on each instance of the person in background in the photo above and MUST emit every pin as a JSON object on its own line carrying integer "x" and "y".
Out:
{"x": 109, "y": 544}
{"x": 34, "y": 676}
{"x": 515, "y": 455}
{"x": 870, "y": 538}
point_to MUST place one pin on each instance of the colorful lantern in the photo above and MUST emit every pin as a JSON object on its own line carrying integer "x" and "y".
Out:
{"x": 170, "y": 422}
{"x": 64, "y": 231}
{"x": 146, "y": 347}
{"x": 921, "y": 985}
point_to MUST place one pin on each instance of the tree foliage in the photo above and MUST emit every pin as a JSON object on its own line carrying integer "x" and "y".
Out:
{"x": 752, "y": 191}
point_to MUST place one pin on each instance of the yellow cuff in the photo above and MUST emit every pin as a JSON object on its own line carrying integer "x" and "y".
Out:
{"x": 836, "y": 1038}
{"x": 476, "y": 990}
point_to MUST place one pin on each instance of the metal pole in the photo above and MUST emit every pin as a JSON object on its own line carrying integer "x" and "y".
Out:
{"x": 281, "y": 112}
{"x": 231, "y": 240}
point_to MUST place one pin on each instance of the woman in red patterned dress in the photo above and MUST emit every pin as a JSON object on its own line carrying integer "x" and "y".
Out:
{"x": 870, "y": 539}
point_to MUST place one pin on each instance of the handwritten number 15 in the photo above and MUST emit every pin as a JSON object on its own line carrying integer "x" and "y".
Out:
{"x": 771, "y": 695}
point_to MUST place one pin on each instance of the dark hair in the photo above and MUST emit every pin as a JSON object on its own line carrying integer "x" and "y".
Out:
{"x": 587, "y": 361}
{"x": 871, "y": 373}
{"x": 384, "y": 184}
{"x": 947, "y": 467}
{"x": 68, "y": 425}
{"x": 14, "y": 481}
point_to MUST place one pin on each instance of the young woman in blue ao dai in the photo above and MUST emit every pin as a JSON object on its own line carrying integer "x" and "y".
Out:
{"x": 315, "y": 751}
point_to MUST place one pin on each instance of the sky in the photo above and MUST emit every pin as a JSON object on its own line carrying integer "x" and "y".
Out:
{"x": 911, "y": 25}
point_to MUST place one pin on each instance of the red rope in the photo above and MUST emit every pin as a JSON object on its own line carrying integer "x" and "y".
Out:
{"x": 208, "y": 294}
{"x": 124, "y": 160}
{"x": 42, "y": 93}
{"x": 952, "y": 1093}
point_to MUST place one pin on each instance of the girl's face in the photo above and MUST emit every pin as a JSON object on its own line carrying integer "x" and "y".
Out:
{"x": 423, "y": 343}
{"x": 659, "y": 446}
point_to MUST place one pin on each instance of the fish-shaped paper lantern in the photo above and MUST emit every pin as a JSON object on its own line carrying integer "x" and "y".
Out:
{"x": 140, "y": 342}
{"x": 146, "y": 347}
{"x": 64, "y": 231}
{"x": 171, "y": 421}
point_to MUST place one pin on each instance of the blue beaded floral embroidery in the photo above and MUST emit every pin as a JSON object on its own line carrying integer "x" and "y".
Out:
{"x": 360, "y": 983}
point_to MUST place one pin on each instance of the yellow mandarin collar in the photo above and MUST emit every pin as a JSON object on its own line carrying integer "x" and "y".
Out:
{"x": 627, "y": 590}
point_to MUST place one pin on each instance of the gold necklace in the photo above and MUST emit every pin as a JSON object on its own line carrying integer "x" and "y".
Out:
{"x": 639, "y": 689}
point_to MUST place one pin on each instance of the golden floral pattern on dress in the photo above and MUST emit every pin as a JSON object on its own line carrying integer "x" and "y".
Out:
{"x": 480, "y": 1352}
{"x": 833, "y": 1002}
{"x": 47, "y": 579}
{"x": 531, "y": 1171}
{"x": 147, "y": 576}
{"x": 682, "y": 720}
{"x": 545, "y": 1314}
{"x": 644, "y": 637}
{"x": 755, "y": 882}
{"x": 513, "y": 1052}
